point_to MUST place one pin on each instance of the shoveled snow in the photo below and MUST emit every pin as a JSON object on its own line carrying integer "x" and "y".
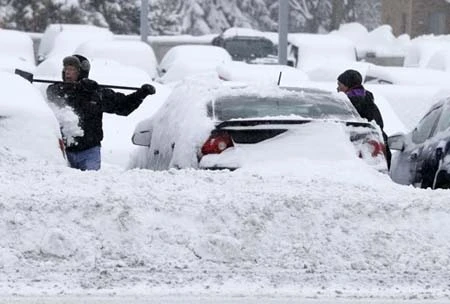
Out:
{"x": 313, "y": 229}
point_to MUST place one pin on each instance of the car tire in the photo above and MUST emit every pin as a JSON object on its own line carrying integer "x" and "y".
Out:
{"x": 442, "y": 181}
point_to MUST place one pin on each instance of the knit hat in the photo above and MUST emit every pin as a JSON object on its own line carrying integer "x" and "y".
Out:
{"x": 80, "y": 62}
{"x": 350, "y": 78}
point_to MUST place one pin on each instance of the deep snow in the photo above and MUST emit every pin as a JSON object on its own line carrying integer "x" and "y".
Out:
{"x": 326, "y": 230}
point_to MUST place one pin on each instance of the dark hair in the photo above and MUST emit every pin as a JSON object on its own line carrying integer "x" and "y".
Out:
{"x": 350, "y": 78}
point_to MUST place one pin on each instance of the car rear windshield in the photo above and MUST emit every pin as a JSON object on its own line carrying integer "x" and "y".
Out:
{"x": 246, "y": 49}
{"x": 305, "y": 106}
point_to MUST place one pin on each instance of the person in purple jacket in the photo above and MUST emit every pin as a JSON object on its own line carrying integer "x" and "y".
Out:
{"x": 350, "y": 82}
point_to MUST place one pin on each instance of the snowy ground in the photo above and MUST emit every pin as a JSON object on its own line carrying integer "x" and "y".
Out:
{"x": 327, "y": 230}
{"x": 204, "y": 300}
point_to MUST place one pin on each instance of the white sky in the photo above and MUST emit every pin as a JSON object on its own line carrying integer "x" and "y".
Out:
{"x": 306, "y": 229}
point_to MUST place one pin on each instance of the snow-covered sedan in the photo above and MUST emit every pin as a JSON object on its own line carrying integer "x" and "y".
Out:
{"x": 226, "y": 127}
{"x": 29, "y": 130}
{"x": 183, "y": 61}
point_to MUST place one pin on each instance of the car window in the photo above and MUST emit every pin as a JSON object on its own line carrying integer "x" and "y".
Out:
{"x": 246, "y": 49}
{"x": 376, "y": 80}
{"x": 426, "y": 126}
{"x": 444, "y": 121}
{"x": 308, "y": 106}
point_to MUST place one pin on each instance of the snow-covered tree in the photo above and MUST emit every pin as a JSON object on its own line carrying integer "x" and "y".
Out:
{"x": 169, "y": 17}
{"x": 121, "y": 16}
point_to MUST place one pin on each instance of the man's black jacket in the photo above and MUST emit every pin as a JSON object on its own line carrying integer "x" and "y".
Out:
{"x": 89, "y": 105}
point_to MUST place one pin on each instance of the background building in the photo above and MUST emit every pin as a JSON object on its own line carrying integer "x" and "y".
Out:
{"x": 417, "y": 17}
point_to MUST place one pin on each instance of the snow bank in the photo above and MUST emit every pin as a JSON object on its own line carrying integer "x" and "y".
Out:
{"x": 325, "y": 230}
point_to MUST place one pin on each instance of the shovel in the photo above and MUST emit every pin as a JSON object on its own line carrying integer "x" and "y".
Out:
{"x": 28, "y": 76}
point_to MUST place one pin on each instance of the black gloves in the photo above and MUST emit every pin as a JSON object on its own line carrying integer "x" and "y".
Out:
{"x": 88, "y": 85}
{"x": 145, "y": 90}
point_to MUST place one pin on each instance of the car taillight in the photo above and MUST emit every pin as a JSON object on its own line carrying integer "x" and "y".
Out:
{"x": 377, "y": 148}
{"x": 374, "y": 147}
{"x": 217, "y": 143}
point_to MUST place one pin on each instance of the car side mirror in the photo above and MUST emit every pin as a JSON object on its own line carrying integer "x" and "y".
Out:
{"x": 142, "y": 138}
{"x": 142, "y": 135}
{"x": 397, "y": 142}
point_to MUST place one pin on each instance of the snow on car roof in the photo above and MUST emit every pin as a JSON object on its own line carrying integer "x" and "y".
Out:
{"x": 195, "y": 51}
{"x": 241, "y": 71}
{"x": 240, "y": 31}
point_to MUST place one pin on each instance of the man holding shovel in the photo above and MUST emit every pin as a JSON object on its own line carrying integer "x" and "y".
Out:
{"x": 89, "y": 100}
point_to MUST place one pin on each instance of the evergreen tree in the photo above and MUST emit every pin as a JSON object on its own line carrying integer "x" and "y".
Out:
{"x": 170, "y": 17}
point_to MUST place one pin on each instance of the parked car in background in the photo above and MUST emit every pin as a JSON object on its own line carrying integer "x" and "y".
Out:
{"x": 416, "y": 76}
{"x": 186, "y": 60}
{"x": 247, "y": 45}
{"x": 305, "y": 49}
{"x": 62, "y": 39}
{"x": 227, "y": 127}
{"x": 29, "y": 129}
{"x": 423, "y": 155}
{"x": 322, "y": 57}
{"x": 127, "y": 52}
{"x": 16, "y": 51}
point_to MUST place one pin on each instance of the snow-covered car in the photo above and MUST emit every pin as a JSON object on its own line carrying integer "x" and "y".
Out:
{"x": 186, "y": 60}
{"x": 16, "y": 51}
{"x": 416, "y": 76}
{"x": 61, "y": 39}
{"x": 422, "y": 158}
{"x": 247, "y": 45}
{"x": 128, "y": 52}
{"x": 263, "y": 73}
{"x": 227, "y": 127}
{"x": 310, "y": 51}
{"x": 29, "y": 129}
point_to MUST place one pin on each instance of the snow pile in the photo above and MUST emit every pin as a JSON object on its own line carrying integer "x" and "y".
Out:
{"x": 324, "y": 230}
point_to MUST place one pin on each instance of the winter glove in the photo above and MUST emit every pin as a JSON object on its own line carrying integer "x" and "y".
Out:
{"x": 88, "y": 85}
{"x": 145, "y": 90}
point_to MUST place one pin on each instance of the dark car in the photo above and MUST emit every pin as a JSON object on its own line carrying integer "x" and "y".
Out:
{"x": 423, "y": 157}
{"x": 248, "y": 48}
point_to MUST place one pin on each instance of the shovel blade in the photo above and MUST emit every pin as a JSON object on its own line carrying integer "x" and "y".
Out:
{"x": 24, "y": 74}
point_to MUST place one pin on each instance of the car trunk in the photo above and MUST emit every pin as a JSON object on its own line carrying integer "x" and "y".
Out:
{"x": 255, "y": 131}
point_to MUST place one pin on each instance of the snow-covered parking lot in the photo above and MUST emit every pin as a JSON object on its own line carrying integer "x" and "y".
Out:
{"x": 306, "y": 231}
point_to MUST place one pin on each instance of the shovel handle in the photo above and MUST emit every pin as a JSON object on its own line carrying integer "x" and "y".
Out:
{"x": 110, "y": 86}
{"x": 28, "y": 76}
